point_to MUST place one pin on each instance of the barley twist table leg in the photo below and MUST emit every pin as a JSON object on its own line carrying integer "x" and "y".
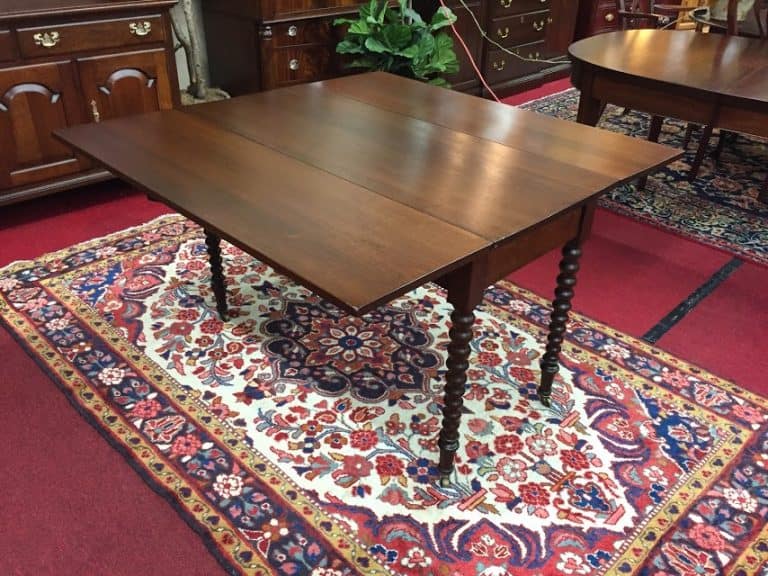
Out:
{"x": 566, "y": 280}
{"x": 212, "y": 241}
{"x": 455, "y": 380}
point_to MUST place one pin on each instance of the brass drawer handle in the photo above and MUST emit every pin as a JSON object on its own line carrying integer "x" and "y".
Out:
{"x": 499, "y": 65}
{"x": 609, "y": 17}
{"x": 293, "y": 31}
{"x": 140, "y": 28}
{"x": 505, "y": 3}
{"x": 95, "y": 112}
{"x": 503, "y": 34}
{"x": 293, "y": 64}
{"x": 47, "y": 39}
{"x": 539, "y": 26}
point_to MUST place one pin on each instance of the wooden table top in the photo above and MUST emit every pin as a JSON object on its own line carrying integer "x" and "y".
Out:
{"x": 727, "y": 65}
{"x": 366, "y": 186}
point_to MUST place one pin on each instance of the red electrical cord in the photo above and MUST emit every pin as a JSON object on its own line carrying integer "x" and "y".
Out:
{"x": 469, "y": 55}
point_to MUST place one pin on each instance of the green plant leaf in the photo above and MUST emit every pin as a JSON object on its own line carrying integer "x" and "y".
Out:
{"x": 397, "y": 36}
{"x": 442, "y": 82}
{"x": 444, "y": 57}
{"x": 376, "y": 46}
{"x": 349, "y": 47}
{"x": 398, "y": 40}
{"x": 360, "y": 27}
{"x": 368, "y": 10}
{"x": 364, "y": 62}
{"x": 442, "y": 18}
{"x": 415, "y": 18}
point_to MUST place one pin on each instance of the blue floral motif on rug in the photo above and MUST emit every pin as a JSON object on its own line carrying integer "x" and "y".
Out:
{"x": 719, "y": 208}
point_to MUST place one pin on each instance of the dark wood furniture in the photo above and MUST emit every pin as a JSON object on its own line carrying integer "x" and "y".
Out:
{"x": 537, "y": 32}
{"x": 258, "y": 45}
{"x": 634, "y": 14}
{"x": 261, "y": 45}
{"x": 64, "y": 62}
{"x": 714, "y": 80}
{"x": 365, "y": 187}
{"x": 599, "y": 16}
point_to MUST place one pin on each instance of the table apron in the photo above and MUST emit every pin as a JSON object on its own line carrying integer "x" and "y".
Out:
{"x": 689, "y": 105}
{"x": 647, "y": 96}
{"x": 526, "y": 247}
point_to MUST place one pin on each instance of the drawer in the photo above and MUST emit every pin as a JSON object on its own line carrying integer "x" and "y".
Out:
{"x": 501, "y": 66}
{"x": 298, "y": 64}
{"x": 606, "y": 17}
{"x": 285, "y": 8}
{"x": 520, "y": 29}
{"x": 507, "y": 7}
{"x": 68, "y": 38}
{"x": 298, "y": 32}
{"x": 7, "y": 51}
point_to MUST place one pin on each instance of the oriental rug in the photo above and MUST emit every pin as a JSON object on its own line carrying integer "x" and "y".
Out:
{"x": 300, "y": 441}
{"x": 720, "y": 208}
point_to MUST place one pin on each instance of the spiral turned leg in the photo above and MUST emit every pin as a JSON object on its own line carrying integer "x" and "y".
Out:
{"x": 212, "y": 241}
{"x": 455, "y": 379}
{"x": 566, "y": 280}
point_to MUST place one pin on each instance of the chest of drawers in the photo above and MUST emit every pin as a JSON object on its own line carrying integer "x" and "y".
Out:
{"x": 260, "y": 45}
{"x": 65, "y": 62}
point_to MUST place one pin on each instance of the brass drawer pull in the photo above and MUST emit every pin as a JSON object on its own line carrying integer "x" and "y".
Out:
{"x": 609, "y": 17}
{"x": 140, "y": 28}
{"x": 293, "y": 31}
{"x": 293, "y": 64}
{"x": 503, "y": 34}
{"x": 95, "y": 111}
{"x": 47, "y": 39}
{"x": 499, "y": 65}
{"x": 539, "y": 26}
{"x": 505, "y": 3}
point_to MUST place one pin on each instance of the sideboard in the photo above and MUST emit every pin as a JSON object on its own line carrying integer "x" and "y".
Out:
{"x": 65, "y": 62}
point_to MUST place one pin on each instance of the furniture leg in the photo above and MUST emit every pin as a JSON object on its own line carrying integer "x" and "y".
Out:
{"x": 465, "y": 290}
{"x": 706, "y": 134}
{"x": 566, "y": 280}
{"x": 653, "y": 136}
{"x": 590, "y": 109}
{"x": 455, "y": 381}
{"x": 688, "y": 133}
{"x": 721, "y": 141}
{"x": 212, "y": 241}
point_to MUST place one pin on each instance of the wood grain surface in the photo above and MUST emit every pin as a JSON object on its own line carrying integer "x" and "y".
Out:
{"x": 361, "y": 196}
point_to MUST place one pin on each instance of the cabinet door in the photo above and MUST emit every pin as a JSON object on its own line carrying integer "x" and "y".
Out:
{"x": 124, "y": 84}
{"x": 35, "y": 101}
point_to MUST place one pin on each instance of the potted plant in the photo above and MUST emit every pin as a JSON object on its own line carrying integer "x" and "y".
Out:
{"x": 396, "y": 39}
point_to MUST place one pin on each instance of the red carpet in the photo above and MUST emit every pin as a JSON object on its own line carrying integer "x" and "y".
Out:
{"x": 726, "y": 332}
{"x": 71, "y": 503}
{"x": 631, "y": 274}
{"x": 113, "y": 524}
{"x": 540, "y": 92}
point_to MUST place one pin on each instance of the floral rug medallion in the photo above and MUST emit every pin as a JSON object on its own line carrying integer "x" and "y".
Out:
{"x": 303, "y": 441}
{"x": 720, "y": 208}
